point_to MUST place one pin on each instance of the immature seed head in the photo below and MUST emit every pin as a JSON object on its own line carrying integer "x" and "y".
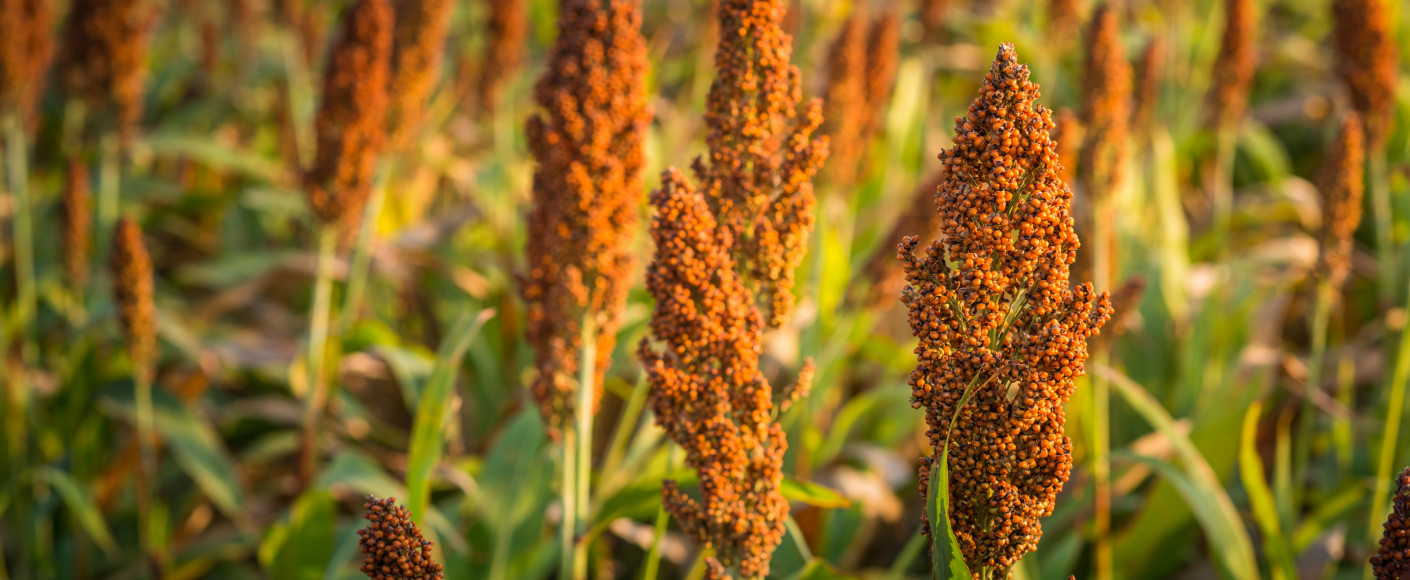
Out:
{"x": 1340, "y": 181}
{"x": 504, "y": 52}
{"x": 132, "y": 290}
{"x": 104, "y": 57}
{"x": 351, "y": 122}
{"x": 1234, "y": 67}
{"x": 1002, "y": 335}
{"x": 1392, "y": 560}
{"x": 587, "y": 189}
{"x": 77, "y": 216}
{"x": 392, "y": 545}
{"x": 1367, "y": 62}
{"x": 25, "y": 47}
{"x": 418, "y": 44}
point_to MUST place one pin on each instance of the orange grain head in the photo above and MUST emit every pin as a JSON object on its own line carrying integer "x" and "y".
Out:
{"x": 1234, "y": 66}
{"x": 507, "y": 33}
{"x": 132, "y": 290}
{"x": 77, "y": 223}
{"x": 1392, "y": 560}
{"x": 104, "y": 58}
{"x": 418, "y": 46}
{"x": 1368, "y": 62}
{"x": 25, "y": 48}
{"x": 392, "y": 545}
{"x": 1341, "y": 183}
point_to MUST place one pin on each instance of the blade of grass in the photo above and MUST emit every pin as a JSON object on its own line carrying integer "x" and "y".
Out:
{"x": 1275, "y": 544}
{"x": 316, "y": 392}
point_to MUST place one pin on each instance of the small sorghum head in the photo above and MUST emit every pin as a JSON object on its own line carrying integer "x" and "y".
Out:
{"x": 847, "y": 68}
{"x": 418, "y": 45}
{"x": 1106, "y": 88}
{"x": 1149, "y": 77}
{"x": 25, "y": 47}
{"x": 351, "y": 124}
{"x": 77, "y": 218}
{"x": 1341, "y": 183}
{"x": 1234, "y": 67}
{"x": 392, "y": 545}
{"x": 508, "y": 32}
{"x": 1392, "y": 560}
{"x": 132, "y": 289}
{"x": 1367, "y": 62}
{"x": 104, "y": 57}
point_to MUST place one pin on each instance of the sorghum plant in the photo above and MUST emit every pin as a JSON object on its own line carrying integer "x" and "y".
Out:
{"x": 722, "y": 274}
{"x": 1341, "y": 184}
{"x": 392, "y": 545}
{"x": 418, "y": 44}
{"x": 104, "y": 58}
{"x": 1392, "y": 560}
{"x": 861, "y": 68}
{"x": 1002, "y": 335}
{"x": 1064, "y": 18}
{"x": 1147, "y": 86}
{"x": 1234, "y": 67}
{"x": 1368, "y": 63}
{"x": 1067, "y": 138}
{"x": 1105, "y": 113}
{"x": 25, "y": 47}
{"x": 77, "y": 220}
{"x": 508, "y": 31}
{"x": 587, "y": 188}
{"x": 132, "y": 288}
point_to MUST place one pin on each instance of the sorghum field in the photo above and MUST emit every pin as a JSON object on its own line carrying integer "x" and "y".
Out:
{"x": 683, "y": 289}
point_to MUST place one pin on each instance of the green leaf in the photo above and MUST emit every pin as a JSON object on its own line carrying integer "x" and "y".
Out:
{"x": 817, "y": 569}
{"x": 431, "y": 412}
{"x": 812, "y": 494}
{"x": 946, "y": 561}
{"x": 306, "y": 541}
{"x": 206, "y": 151}
{"x": 1265, "y": 511}
{"x": 82, "y": 506}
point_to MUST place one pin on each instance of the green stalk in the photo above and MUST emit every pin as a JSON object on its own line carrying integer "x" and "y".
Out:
{"x": 568, "y": 488}
{"x": 631, "y": 415}
{"x": 148, "y": 470}
{"x": 582, "y": 406}
{"x": 1385, "y": 244}
{"x": 1223, "y": 198}
{"x": 109, "y": 172}
{"x": 1394, "y": 410}
{"x": 653, "y": 557}
{"x": 362, "y": 252}
{"x": 16, "y": 172}
{"x": 1307, "y": 427}
{"x": 316, "y": 392}
{"x": 1103, "y": 271}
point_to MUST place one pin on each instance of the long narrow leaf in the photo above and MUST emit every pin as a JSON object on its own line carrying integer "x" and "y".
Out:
{"x": 946, "y": 562}
{"x": 1265, "y": 511}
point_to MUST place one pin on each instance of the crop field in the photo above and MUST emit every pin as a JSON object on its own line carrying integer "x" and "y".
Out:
{"x": 704, "y": 289}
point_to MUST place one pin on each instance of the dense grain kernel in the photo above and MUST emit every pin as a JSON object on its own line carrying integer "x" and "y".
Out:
{"x": 883, "y": 279}
{"x": 1149, "y": 77}
{"x": 507, "y": 33}
{"x": 1234, "y": 67}
{"x": 132, "y": 290}
{"x": 722, "y": 275}
{"x": 991, "y": 305}
{"x": 418, "y": 45}
{"x": 1340, "y": 181}
{"x": 1392, "y": 560}
{"x": 104, "y": 57}
{"x": 25, "y": 48}
{"x": 587, "y": 189}
{"x": 77, "y": 222}
{"x": 1367, "y": 62}
{"x": 392, "y": 545}
{"x": 351, "y": 123}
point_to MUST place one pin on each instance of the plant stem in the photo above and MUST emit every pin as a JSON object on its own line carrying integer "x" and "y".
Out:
{"x": 316, "y": 392}
{"x": 1307, "y": 427}
{"x": 147, "y": 471}
{"x": 1394, "y": 410}
{"x": 109, "y": 172}
{"x": 362, "y": 252}
{"x": 1103, "y": 270}
{"x": 626, "y": 425}
{"x": 1385, "y": 243}
{"x": 16, "y": 172}
{"x": 568, "y": 488}
{"x": 582, "y": 406}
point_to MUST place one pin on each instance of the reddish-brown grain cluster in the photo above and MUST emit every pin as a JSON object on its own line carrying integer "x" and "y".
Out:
{"x": 587, "y": 190}
{"x": 25, "y": 46}
{"x": 132, "y": 289}
{"x": 418, "y": 44}
{"x": 1234, "y": 67}
{"x": 1002, "y": 335}
{"x": 1341, "y": 184}
{"x": 861, "y": 68}
{"x": 1392, "y": 560}
{"x": 1067, "y": 138}
{"x": 1368, "y": 63}
{"x": 392, "y": 545}
{"x": 722, "y": 274}
{"x": 1106, "y": 97}
{"x": 919, "y": 218}
{"x": 104, "y": 57}
{"x": 351, "y": 123}
{"x": 1149, "y": 76}
{"x": 508, "y": 30}
{"x": 77, "y": 223}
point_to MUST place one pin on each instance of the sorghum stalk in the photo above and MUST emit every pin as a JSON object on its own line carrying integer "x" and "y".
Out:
{"x": 721, "y": 276}
{"x": 392, "y": 545}
{"x": 132, "y": 289}
{"x": 1002, "y": 319}
{"x": 588, "y": 143}
{"x": 1341, "y": 183}
{"x": 351, "y": 131}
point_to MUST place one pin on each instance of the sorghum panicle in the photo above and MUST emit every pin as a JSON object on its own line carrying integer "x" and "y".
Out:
{"x": 933, "y": 14}
{"x": 25, "y": 47}
{"x": 1001, "y": 323}
{"x": 587, "y": 189}
{"x": 132, "y": 289}
{"x": 1392, "y": 560}
{"x": 757, "y": 178}
{"x": 722, "y": 275}
{"x": 392, "y": 545}
{"x": 1064, "y": 18}
{"x": 1106, "y": 97}
{"x": 1368, "y": 62}
{"x": 1340, "y": 181}
{"x": 104, "y": 57}
{"x": 1149, "y": 76}
{"x": 918, "y": 219}
{"x": 1067, "y": 138}
{"x": 351, "y": 123}
{"x": 883, "y": 56}
{"x": 508, "y": 31}
{"x": 418, "y": 44}
{"x": 1234, "y": 67}
{"x": 846, "y": 91}
{"x": 77, "y": 219}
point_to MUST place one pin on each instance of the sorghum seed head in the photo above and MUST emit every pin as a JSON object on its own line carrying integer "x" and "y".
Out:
{"x": 77, "y": 214}
{"x": 587, "y": 189}
{"x": 25, "y": 47}
{"x": 392, "y": 545}
{"x": 1234, "y": 67}
{"x": 933, "y": 14}
{"x": 418, "y": 44}
{"x": 104, "y": 57}
{"x": 351, "y": 123}
{"x": 1340, "y": 181}
{"x": 504, "y": 52}
{"x": 861, "y": 68}
{"x": 1368, "y": 62}
{"x": 1148, "y": 81}
{"x": 994, "y": 313}
{"x": 1064, "y": 17}
{"x": 1392, "y": 560}
{"x": 132, "y": 289}
{"x": 1106, "y": 89}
